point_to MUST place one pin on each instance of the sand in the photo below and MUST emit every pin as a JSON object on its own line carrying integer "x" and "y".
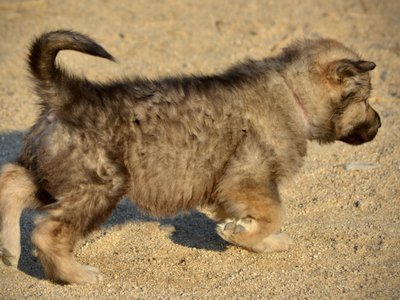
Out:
{"x": 344, "y": 220}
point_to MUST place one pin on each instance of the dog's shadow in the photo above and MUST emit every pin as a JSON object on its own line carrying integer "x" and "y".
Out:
{"x": 193, "y": 230}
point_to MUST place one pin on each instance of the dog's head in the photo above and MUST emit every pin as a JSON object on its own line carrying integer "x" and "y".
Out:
{"x": 337, "y": 99}
{"x": 353, "y": 119}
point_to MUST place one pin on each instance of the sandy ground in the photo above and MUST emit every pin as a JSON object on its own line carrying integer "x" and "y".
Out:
{"x": 345, "y": 223}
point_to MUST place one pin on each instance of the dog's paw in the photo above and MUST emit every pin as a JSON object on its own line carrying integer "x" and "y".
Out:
{"x": 273, "y": 243}
{"x": 91, "y": 275}
{"x": 231, "y": 230}
{"x": 9, "y": 258}
{"x": 78, "y": 274}
{"x": 74, "y": 273}
{"x": 248, "y": 233}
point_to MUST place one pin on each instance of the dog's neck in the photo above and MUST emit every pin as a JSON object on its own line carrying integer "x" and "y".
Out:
{"x": 298, "y": 103}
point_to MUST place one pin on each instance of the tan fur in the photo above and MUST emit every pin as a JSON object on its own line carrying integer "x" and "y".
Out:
{"x": 54, "y": 244}
{"x": 16, "y": 191}
{"x": 225, "y": 141}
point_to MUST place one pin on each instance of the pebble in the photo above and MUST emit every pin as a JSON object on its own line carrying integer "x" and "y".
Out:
{"x": 360, "y": 166}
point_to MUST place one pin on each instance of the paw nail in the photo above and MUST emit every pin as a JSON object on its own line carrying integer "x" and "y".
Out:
{"x": 239, "y": 228}
{"x": 229, "y": 226}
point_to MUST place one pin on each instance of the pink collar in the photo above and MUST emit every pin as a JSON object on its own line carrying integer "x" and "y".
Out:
{"x": 298, "y": 101}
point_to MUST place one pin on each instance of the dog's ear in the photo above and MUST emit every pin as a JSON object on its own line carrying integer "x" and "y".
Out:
{"x": 344, "y": 68}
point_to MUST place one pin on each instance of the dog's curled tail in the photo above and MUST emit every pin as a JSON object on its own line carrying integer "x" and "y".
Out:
{"x": 45, "y": 48}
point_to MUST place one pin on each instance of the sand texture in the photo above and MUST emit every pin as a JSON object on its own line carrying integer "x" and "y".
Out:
{"x": 342, "y": 209}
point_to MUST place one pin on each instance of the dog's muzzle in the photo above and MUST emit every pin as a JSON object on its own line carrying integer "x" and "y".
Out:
{"x": 365, "y": 131}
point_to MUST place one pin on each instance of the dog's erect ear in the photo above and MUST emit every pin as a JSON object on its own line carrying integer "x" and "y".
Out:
{"x": 341, "y": 69}
{"x": 365, "y": 66}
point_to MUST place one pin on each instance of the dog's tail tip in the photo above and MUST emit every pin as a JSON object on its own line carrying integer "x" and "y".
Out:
{"x": 45, "y": 48}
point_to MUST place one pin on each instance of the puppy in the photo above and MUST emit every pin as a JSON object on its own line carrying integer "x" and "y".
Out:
{"x": 224, "y": 141}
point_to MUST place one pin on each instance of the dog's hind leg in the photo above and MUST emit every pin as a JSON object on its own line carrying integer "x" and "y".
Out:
{"x": 71, "y": 218}
{"x": 17, "y": 191}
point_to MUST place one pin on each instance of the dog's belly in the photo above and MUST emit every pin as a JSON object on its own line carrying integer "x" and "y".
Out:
{"x": 170, "y": 191}
{"x": 172, "y": 174}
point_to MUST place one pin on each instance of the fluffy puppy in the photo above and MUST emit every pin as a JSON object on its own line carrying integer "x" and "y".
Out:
{"x": 224, "y": 141}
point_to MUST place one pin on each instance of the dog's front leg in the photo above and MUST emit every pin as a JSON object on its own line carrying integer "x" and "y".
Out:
{"x": 249, "y": 215}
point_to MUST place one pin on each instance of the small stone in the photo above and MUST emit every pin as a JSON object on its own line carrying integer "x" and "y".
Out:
{"x": 394, "y": 90}
{"x": 360, "y": 166}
